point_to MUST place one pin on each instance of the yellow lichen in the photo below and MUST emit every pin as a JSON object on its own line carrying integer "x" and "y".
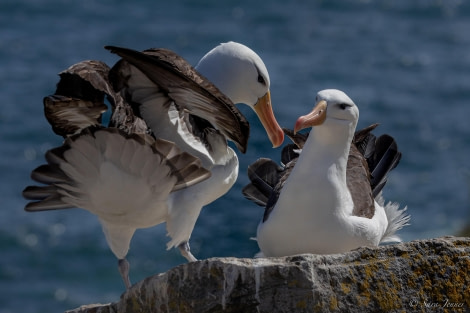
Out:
{"x": 345, "y": 288}
{"x": 333, "y": 303}
{"x": 386, "y": 287}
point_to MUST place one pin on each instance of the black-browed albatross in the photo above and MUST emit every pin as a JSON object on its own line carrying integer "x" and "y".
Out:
{"x": 164, "y": 154}
{"x": 324, "y": 199}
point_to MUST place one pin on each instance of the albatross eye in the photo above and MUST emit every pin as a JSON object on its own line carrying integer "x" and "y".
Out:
{"x": 343, "y": 106}
{"x": 261, "y": 79}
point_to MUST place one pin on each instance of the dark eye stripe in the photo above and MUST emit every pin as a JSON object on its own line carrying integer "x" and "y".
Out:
{"x": 261, "y": 79}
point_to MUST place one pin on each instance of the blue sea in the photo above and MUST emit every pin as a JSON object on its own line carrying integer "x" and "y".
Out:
{"x": 405, "y": 63}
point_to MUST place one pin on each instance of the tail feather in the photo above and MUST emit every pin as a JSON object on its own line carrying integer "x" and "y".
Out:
{"x": 397, "y": 219}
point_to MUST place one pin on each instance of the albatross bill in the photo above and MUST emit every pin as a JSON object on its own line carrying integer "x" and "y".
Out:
{"x": 265, "y": 114}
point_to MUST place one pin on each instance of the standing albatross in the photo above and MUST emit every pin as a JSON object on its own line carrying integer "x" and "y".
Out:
{"x": 164, "y": 154}
{"x": 324, "y": 199}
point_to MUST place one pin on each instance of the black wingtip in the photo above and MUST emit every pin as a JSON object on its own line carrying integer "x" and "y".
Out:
{"x": 111, "y": 48}
{"x": 119, "y": 50}
{"x": 386, "y": 157}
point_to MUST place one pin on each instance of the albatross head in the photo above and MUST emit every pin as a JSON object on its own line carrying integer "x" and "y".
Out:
{"x": 333, "y": 109}
{"x": 241, "y": 75}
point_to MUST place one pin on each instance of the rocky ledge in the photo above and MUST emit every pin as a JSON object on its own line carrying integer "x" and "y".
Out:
{"x": 419, "y": 276}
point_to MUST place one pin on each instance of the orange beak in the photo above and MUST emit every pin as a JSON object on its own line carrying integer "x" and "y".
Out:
{"x": 314, "y": 118}
{"x": 265, "y": 114}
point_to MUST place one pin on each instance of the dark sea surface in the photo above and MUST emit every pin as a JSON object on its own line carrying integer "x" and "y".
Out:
{"x": 406, "y": 64}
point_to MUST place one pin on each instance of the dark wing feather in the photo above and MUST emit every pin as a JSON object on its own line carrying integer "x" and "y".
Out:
{"x": 79, "y": 98}
{"x": 364, "y": 140}
{"x": 78, "y": 102}
{"x": 264, "y": 175}
{"x": 268, "y": 178}
{"x": 277, "y": 189}
{"x": 385, "y": 158}
{"x": 289, "y": 152}
{"x": 367, "y": 154}
{"x": 358, "y": 182}
{"x": 378, "y": 157}
{"x": 189, "y": 90}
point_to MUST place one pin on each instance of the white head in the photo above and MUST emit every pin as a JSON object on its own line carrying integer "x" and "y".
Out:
{"x": 239, "y": 73}
{"x": 334, "y": 114}
{"x": 332, "y": 107}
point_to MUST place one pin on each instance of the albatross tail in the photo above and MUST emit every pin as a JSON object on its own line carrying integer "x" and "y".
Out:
{"x": 397, "y": 219}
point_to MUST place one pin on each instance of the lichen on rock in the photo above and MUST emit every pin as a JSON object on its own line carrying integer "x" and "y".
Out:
{"x": 416, "y": 276}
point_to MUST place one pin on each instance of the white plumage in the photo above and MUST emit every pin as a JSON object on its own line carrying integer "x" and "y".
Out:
{"x": 165, "y": 154}
{"x": 314, "y": 211}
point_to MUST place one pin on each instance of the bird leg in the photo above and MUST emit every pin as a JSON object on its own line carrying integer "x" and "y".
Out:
{"x": 186, "y": 251}
{"x": 123, "y": 266}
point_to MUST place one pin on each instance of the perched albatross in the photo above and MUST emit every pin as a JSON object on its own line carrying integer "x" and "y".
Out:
{"x": 164, "y": 154}
{"x": 325, "y": 200}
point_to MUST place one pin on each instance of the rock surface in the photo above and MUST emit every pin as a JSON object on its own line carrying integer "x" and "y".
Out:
{"x": 419, "y": 276}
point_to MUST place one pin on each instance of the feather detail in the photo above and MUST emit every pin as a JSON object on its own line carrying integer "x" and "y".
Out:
{"x": 188, "y": 89}
{"x": 78, "y": 101}
{"x": 74, "y": 171}
{"x": 264, "y": 175}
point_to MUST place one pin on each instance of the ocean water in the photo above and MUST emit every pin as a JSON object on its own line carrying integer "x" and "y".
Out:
{"x": 406, "y": 64}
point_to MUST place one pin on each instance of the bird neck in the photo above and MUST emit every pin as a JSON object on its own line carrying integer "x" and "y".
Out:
{"x": 320, "y": 172}
{"x": 329, "y": 144}
{"x": 322, "y": 166}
